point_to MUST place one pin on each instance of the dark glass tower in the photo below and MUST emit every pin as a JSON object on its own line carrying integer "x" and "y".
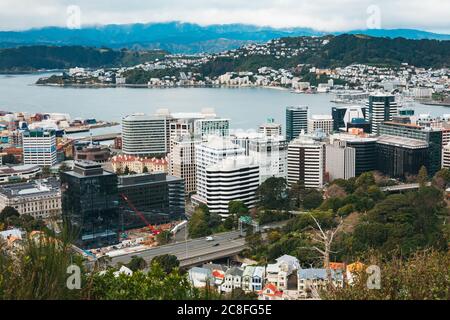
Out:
{"x": 158, "y": 197}
{"x": 296, "y": 121}
{"x": 90, "y": 204}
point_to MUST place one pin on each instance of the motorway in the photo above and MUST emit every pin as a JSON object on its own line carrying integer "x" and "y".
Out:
{"x": 197, "y": 251}
{"x": 192, "y": 251}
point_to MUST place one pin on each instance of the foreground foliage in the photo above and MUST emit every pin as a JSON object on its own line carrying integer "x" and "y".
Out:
{"x": 424, "y": 276}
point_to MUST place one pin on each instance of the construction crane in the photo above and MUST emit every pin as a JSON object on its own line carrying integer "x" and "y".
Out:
{"x": 140, "y": 215}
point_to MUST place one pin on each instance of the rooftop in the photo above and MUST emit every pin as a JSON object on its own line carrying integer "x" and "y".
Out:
{"x": 31, "y": 189}
{"x": 219, "y": 143}
{"x": 233, "y": 163}
{"x": 402, "y": 142}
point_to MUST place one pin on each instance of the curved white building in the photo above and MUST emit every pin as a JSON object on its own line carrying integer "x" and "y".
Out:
{"x": 232, "y": 179}
{"x": 210, "y": 153}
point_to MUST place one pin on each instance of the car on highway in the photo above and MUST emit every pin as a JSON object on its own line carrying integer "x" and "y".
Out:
{"x": 216, "y": 245}
{"x": 209, "y": 238}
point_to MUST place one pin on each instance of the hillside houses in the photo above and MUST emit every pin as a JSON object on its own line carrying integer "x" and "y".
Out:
{"x": 282, "y": 280}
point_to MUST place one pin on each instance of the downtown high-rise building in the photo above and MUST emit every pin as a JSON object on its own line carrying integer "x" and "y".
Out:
{"x": 182, "y": 160}
{"x": 322, "y": 123}
{"x": 380, "y": 107}
{"x": 144, "y": 135}
{"x": 232, "y": 179}
{"x": 90, "y": 204}
{"x": 209, "y": 153}
{"x": 270, "y": 129}
{"x": 296, "y": 121}
{"x": 306, "y": 162}
{"x": 365, "y": 150}
{"x": 340, "y": 161}
{"x": 39, "y": 147}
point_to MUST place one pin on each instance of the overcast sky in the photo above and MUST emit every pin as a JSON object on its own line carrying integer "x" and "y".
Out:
{"x": 325, "y": 15}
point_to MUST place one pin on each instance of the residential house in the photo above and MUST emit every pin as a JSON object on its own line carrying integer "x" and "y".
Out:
{"x": 200, "y": 277}
{"x": 258, "y": 279}
{"x": 312, "y": 281}
{"x": 247, "y": 278}
{"x": 218, "y": 272}
{"x": 270, "y": 292}
{"x": 279, "y": 272}
{"x": 233, "y": 280}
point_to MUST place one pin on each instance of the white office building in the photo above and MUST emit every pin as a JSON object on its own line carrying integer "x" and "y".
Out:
{"x": 209, "y": 153}
{"x": 39, "y": 147}
{"x": 306, "y": 162}
{"x": 270, "y": 129}
{"x": 340, "y": 161}
{"x": 269, "y": 152}
{"x": 322, "y": 123}
{"x": 144, "y": 135}
{"x": 206, "y": 127}
{"x": 231, "y": 179}
{"x": 446, "y": 156}
{"x": 182, "y": 160}
{"x": 380, "y": 107}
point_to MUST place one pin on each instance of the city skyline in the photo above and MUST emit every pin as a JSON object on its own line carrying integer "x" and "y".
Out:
{"x": 322, "y": 15}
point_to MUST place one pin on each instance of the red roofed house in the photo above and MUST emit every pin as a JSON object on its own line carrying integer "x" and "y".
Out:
{"x": 270, "y": 292}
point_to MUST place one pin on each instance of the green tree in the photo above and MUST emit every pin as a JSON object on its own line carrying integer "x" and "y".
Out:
{"x": 167, "y": 262}
{"x": 237, "y": 208}
{"x": 126, "y": 171}
{"x": 137, "y": 263}
{"x": 422, "y": 176}
{"x": 312, "y": 199}
{"x": 45, "y": 171}
{"x": 365, "y": 180}
{"x": 156, "y": 284}
{"x": 164, "y": 237}
{"x": 7, "y": 213}
{"x": 145, "y": 170}
{"x": 273, "y": 194}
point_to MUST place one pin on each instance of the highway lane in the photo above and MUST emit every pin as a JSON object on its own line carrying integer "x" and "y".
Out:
{"x": 228, "y": 241}
{"x": 193, "y": 248}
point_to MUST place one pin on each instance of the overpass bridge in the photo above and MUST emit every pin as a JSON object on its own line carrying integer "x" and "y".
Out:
{"x": 198, "y": 251}
{"x": 192, "y": 252}
{"x": 403, "y": 187}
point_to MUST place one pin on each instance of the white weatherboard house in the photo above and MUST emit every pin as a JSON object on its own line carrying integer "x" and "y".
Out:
{"x": 233, "y": 280}
{"x": 279, "y": 272}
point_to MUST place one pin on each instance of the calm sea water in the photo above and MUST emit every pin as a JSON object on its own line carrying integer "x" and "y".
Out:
{"x": 246, "y": 107}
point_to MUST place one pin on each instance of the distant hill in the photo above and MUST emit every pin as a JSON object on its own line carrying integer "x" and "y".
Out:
{"x": 329, "y": 51}
{"x": 32, "y": 58}
{"x": 179, "y": 37}
{"x": 341, "y": 51}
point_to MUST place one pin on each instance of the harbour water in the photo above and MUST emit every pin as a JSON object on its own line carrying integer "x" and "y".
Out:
{"x": 245, "y": 107}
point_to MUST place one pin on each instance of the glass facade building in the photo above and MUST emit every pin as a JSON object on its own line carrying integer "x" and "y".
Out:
{"x": 158, "y": 197}
{"x": 432, "y": 137}
{"x": 90, "y": 204}
{"x": 398, "y": 156}
{"x": 296, "y": 121}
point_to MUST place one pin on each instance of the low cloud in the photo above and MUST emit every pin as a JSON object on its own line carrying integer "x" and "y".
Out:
{"x": 326, "y": 15}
